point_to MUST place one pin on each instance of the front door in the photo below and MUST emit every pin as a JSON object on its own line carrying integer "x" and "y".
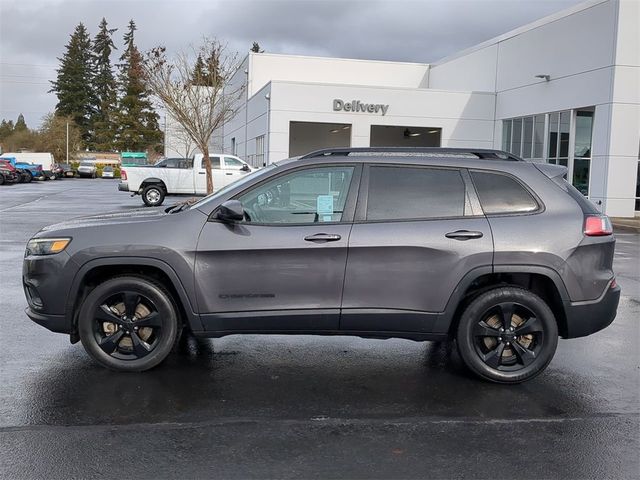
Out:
{"x": 282, "y": 268}
{"x": 233, "y": 169}
{"x": 416, "y": 235}
{"x": 217, "y": 175}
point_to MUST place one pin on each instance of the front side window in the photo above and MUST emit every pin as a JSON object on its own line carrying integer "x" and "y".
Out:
{"x": 406, "y": 193}
{"x": 233, "y": 163}
{"x": 500, "y": 194}
{"x": 313, "y": 195}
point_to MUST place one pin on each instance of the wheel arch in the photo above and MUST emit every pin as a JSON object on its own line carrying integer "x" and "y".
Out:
{"x": 153, "y": 181}
{"x": 94, "y": 272}
{"x": 543, "y": 281}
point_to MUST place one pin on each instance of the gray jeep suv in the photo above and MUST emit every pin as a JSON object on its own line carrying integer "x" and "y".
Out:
{"x": 425, "y": 244}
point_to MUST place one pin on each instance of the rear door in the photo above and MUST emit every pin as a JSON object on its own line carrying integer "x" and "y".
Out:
{"x": 418, "y": 230}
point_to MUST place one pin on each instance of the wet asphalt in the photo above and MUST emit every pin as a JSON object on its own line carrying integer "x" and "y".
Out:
{"x": 302, "y": 406}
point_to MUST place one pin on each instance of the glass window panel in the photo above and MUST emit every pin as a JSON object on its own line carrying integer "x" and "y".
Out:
{"x": 581, "y": 168}
{"x": 397, "y": 193}
{"x": 538, "y": 136}
{"x": 306, "y": 196}
{"x": 506, "y": 135}
{"x": 564, "y": 134}
{"x": 516, "y": 142}
{"x": 215, "y": 162}
{"x": 527, "y": 141}
{"x": 553, "y": 135}
{"x": 584, "y": 125}
{"x": 502, "y": 194}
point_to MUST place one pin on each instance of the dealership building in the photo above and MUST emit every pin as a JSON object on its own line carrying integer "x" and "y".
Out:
{"x": 564, "y": 89}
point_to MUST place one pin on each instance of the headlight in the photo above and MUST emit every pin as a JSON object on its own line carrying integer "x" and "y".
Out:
{"x": 46, "y": 246}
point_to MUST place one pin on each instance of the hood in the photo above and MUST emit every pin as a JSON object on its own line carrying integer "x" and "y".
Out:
{"x": 139, "y": 215}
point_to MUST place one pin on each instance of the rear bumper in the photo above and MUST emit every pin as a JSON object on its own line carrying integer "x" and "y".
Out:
{"x": 586, "y": 318}
{"x": 123, "y": 187}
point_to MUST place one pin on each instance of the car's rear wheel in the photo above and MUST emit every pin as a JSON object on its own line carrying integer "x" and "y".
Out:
{"x": 153, "y": 195}
{"x": 128, "y": 323}
{"x": 507, "y": 335}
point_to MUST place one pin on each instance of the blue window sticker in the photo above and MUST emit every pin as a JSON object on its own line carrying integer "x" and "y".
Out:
{"x": 324, "y": 205}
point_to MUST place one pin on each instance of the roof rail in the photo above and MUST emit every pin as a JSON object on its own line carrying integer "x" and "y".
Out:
{"x": 481, "y": 153}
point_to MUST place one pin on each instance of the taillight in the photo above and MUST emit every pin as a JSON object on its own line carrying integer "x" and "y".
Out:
{"x": 123, "y": 174}
{"x": 597, "y": 226}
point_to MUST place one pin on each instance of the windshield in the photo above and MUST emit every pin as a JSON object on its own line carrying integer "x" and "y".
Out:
{"x": 242, "y": 180}
{"x": 86, "y": 164}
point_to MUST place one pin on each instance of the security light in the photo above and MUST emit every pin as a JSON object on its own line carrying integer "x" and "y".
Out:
{"x": 544, "y": 76}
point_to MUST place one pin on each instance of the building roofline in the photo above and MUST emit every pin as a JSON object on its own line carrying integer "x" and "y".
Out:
{"x": 520, "y": 30}
{"x": 318, "y": 57}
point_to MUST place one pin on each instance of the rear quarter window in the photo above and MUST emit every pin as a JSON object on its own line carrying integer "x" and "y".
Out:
{"x": 501, "y": 194}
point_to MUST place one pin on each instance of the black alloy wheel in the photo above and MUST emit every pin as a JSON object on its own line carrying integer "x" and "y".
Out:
{"x": 507, "y": 335}
{"x": 128, "y": 323}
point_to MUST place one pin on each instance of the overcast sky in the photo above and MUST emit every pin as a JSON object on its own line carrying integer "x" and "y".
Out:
{"x": 33, "y": 33}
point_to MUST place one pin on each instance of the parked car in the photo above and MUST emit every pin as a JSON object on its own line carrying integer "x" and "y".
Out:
{"x": 31, "y": 171}
{"x": 107, "y": 172}
{"x": 62, "y": 170}
{"x": 44, "y": 159}
{"x": 180, "y": 178}
{"x": 87, "y": 169}
{"x": 501, "y": 254}
{"x": 10, "y": 173}
{"x": 7, "y": 176}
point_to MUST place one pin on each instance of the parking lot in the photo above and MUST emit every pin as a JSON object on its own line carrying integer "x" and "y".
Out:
{"x": 302, "y": 406}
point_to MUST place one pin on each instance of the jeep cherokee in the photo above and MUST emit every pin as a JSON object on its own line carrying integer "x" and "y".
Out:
{"x": 502, "y": 255}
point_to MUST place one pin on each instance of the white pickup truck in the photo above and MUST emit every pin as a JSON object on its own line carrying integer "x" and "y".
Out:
{"x": 180, "y": 176}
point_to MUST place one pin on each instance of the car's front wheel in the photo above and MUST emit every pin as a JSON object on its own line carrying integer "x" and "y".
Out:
{"x": 507, "y": 335}
{"x": 128, "y": 323}
{"x": 28, "y": 177}
{"x": 153, "y": 195}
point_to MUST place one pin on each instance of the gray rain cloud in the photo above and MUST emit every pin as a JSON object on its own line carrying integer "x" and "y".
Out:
{"x": 33, "y": 33}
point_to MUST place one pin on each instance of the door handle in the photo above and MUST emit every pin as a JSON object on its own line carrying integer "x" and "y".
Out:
{"x": 323, "y": 237}
{"x": 201, "y": 173}
{"x": 229, "y": 173}
{"x": 463, "y": 235}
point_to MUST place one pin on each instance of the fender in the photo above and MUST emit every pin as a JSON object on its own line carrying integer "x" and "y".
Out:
{"x": 192, "y": 317}
{"x": 151, "y": 180}
{"x": 446, "y": 317}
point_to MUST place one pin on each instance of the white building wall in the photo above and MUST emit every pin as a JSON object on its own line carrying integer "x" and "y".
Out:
{"x": 590, "y": 52}
{"x": 466, "y": 118}
{"x": 265, "y": 67}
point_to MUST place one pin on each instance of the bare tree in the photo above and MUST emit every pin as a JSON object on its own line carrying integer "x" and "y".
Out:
{"x": 184, "y": 144}
{"x": 199, "y": 98}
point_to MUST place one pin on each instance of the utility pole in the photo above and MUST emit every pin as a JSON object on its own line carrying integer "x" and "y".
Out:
{"x": 67, "y": 143}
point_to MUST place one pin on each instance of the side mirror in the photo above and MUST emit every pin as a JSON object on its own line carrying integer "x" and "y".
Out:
{"x": 245, "y": 168}
{"x": 230, "y": 211}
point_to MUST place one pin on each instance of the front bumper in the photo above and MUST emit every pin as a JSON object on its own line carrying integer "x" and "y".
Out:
{"x": 55, "y": 323}
{"x": 586, "y": 318}
{"x": 123, "y": 187}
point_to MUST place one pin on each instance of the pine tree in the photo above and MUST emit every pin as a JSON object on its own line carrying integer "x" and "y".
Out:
{"x": 21, "y": 125}
{"x": 73, "y": 83}
{"x": 199, "y": 72}
{"x": 6, "y": 129}
{"x": 104, "y": 88}
{"x": 138, "y": 127}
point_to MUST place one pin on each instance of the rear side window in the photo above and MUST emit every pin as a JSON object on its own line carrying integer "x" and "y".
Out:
{"x": 215, "y": 162}
{"x": 404, "y": 193}
{"x": 502, "y": 194}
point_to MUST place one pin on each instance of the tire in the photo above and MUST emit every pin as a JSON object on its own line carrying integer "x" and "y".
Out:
{"x": 128, "y": 323}
{"x": 93, "y": 175}
{"x": 53, "y": 176}
{"x": 153, "y": 195}
{"x": 1, "y": 179}
{"x": 29, "y": 177}
{"x": 507, "y": 357}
